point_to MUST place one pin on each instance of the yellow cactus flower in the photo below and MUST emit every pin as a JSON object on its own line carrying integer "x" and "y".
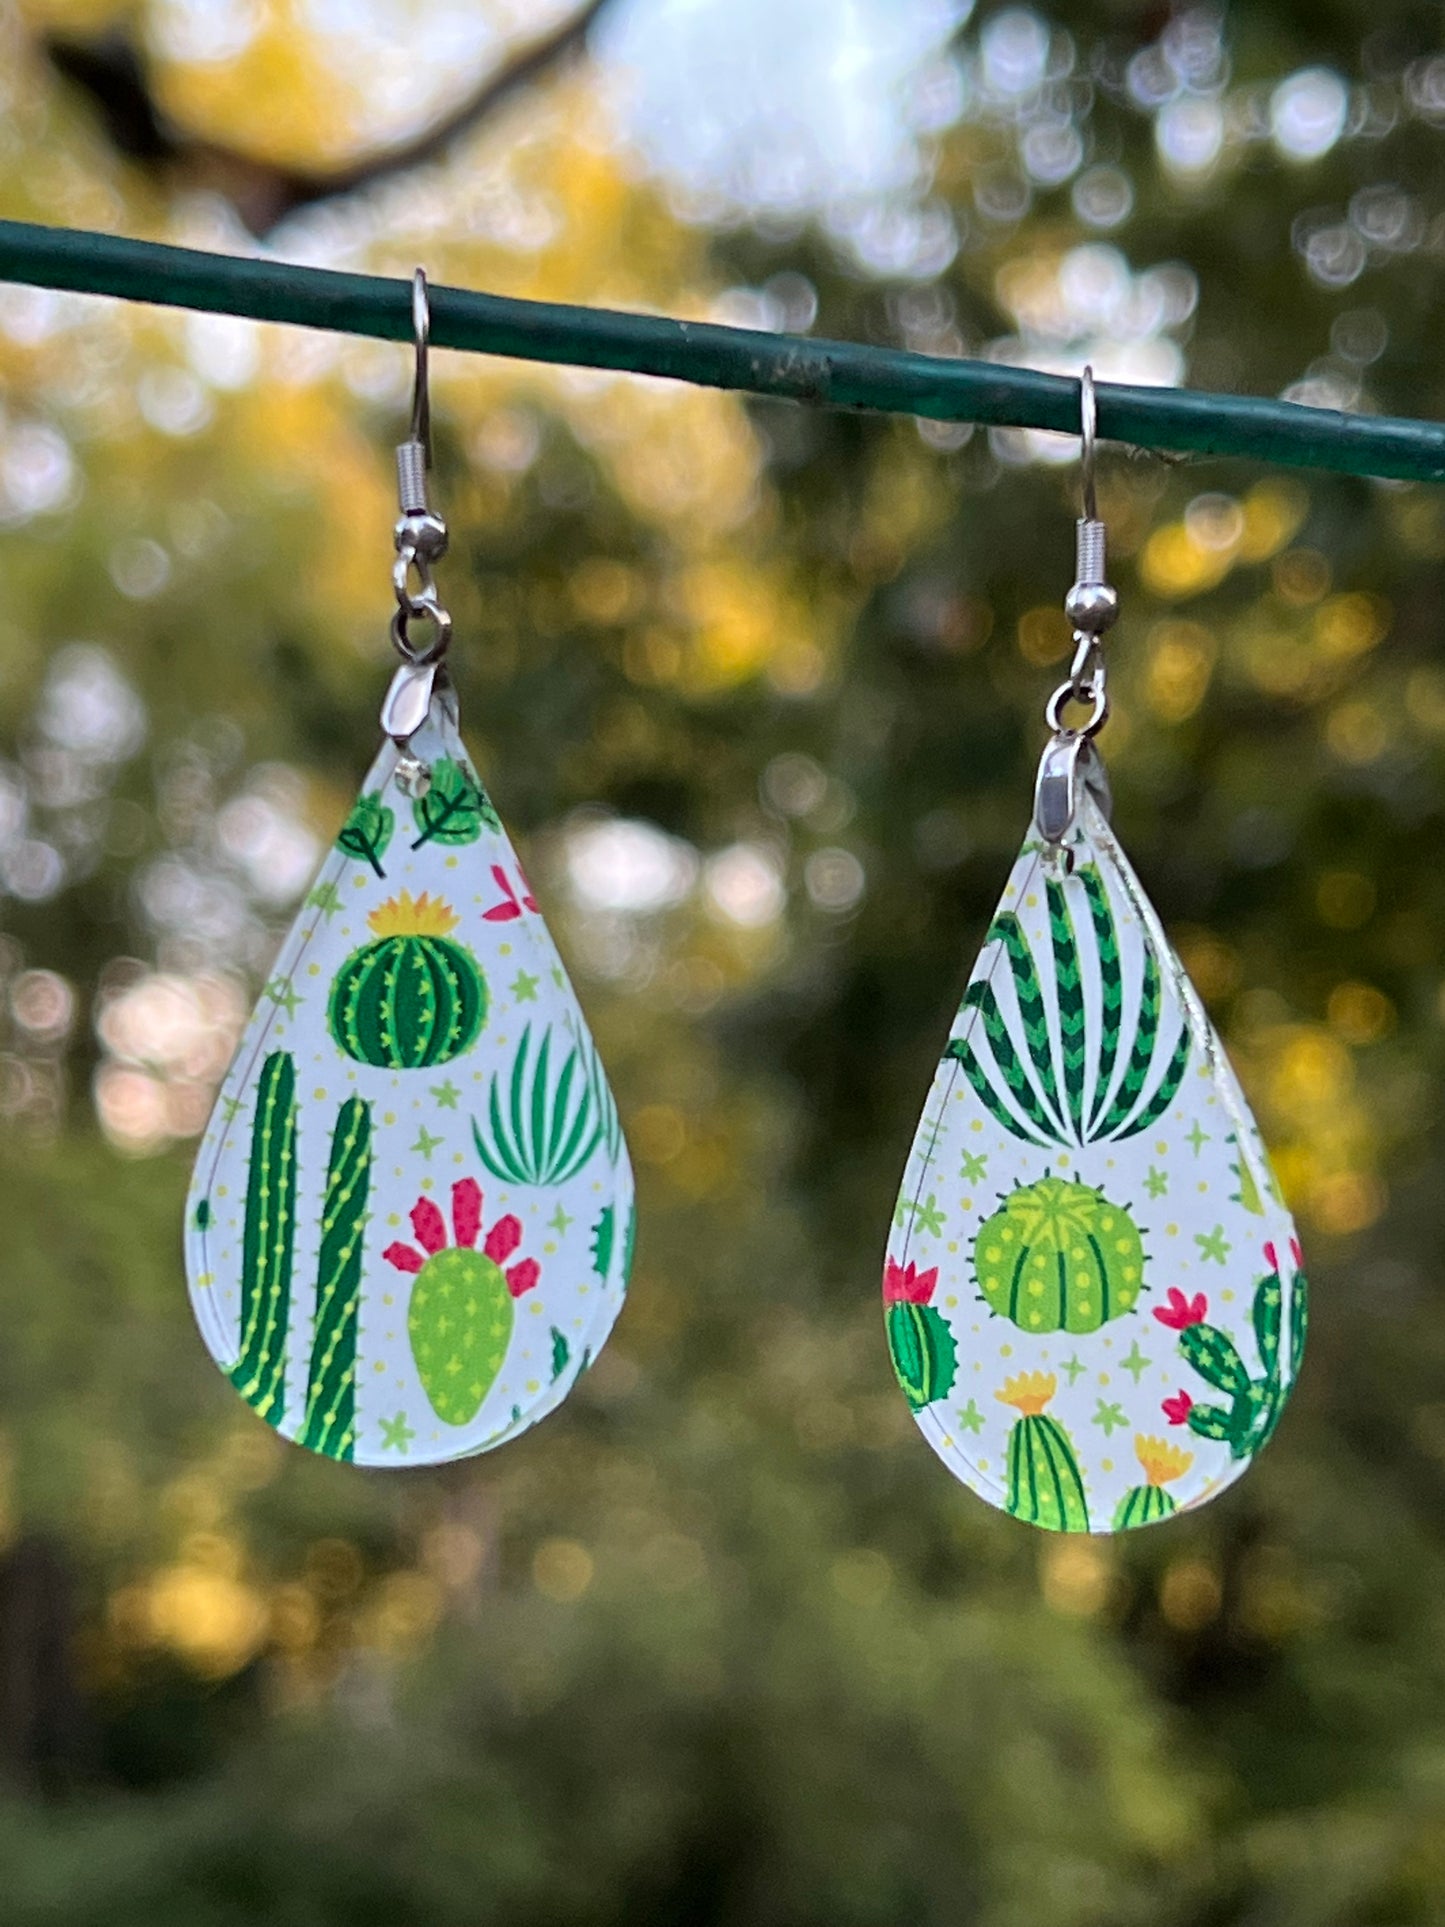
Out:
{"x": 406, "y": 916}
{"x": 1028, "y": 1392}
{"x": 1161, "y": 1460}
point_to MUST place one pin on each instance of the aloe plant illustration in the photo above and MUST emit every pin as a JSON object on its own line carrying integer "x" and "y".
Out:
{"x": 367, "y": 831}
{"x": 542, "y": 1130}
{"x": 1254, "y": 1404}
{"x": 454, "y": 808}
{"x": 1071, "y": 1081}
{"x": 268, "y": 1247}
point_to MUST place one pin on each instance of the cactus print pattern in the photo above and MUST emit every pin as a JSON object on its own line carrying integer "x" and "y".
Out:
{"x": 1084, "y": 1215}
{"x": 372, "y": 1289}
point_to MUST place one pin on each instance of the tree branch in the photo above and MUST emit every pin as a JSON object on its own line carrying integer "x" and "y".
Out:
{"x": 111, "y": 72}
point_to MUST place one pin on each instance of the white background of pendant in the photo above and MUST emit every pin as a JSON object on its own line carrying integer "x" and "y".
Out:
{"x": 1179, "y": 1181}
{"x": 422, "y": 1143}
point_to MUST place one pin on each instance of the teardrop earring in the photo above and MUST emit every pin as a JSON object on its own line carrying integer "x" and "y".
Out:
{"x": 1095, "y": 1304}
{"x": 410, "y": 1224}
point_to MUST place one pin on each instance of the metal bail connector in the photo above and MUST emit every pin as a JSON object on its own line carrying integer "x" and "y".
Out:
{"x": 421, "y": 539}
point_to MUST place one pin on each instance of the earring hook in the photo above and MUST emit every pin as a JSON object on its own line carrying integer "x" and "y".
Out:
{"x": 1089, "y": 433}
{"x": 420, "y": 392}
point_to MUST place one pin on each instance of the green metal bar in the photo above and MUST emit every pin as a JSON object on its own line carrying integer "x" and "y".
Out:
{"x": 836, "y": 374}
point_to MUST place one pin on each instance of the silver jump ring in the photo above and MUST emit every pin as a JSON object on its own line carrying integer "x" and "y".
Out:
{"x": 441, "y": 622}
{"x": 1098, "y": 699}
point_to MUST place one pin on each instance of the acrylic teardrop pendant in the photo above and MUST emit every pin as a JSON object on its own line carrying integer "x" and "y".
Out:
{"x": 1093, "y": 1296}
{"x": 411, "y": 1220}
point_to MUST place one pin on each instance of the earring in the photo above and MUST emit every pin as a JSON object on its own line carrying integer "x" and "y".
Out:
{"x": 411, "y": 1220}
{"x": 1095, "y": 1303}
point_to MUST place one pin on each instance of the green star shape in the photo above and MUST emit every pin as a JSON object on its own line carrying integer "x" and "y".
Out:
{"x": 970, "y": 1419}
{"x": 1156, "y": 1184}
{"x": 1073, "y": 1368}
{"x": 524, "y": 988}
{"x": 233, "y": 1107}
{"x": 927, "y": 1217}
{"x": 426, "y": 1143}
{"x": 1109, "y": 1418}
{"x": 975, "y": 1169}
{"x": 446, "y": 1095}
{"x": 326, "y": 898}
{"x": 558, "y": 978}
{"x": 1136, "y": 1362}
{"x": 1197, "y": 1136}
{"x": 901, "y": 1211}
{"x": 1213, "y": 1244}
{"x": 283, "y": 996}
{"x": 396, "y": 1434}
{"x": 560, "y": 1220}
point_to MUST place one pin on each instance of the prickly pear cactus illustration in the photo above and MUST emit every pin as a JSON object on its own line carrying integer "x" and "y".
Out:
{"x": 377, "y": 1289}
{"x": 412, "y": 997}
{"x": 1045, "y": 1485}
{"x": 1057, "y": 1256}
{"x": 460, "y": 1315}
{"x": 925, "y": 1359}
{"x": 1086, "y": 1197}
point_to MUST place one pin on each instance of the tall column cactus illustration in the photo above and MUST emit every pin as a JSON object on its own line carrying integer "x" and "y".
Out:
{"x": 413, "y": 997}
{"x": 1254, "y": 1405}
{"x": 460, "y": 1316}
{"x": 330, "y": 1422}
{"x": 268, "y": 1250}
{"x": 1086, "y": 1094}
{"x": 259, "y": 1373}
{"x": 1145, "y": 1505}
{"x": 1045, "y": 1485}
{"x": 1059, "y": 1256}
{"x": 920, "y": 1343}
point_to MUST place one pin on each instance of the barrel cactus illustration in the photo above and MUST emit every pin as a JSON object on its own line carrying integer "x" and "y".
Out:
{"x": 329, "y": 1426}
{"x": 1059, "y": 1256}
{"x": 460, "y": 1316}
{"x": 328, "y": 1420}
{"x": 920, "y": 1343}
{"x": 1145, "y": 1505}
{"x": 259, "y": 1373}
{"x": 1045, "y": 1486}
{"x": 1107, "y": 1080}
{"x": 1254, "y": 1405}
{"x": 413, "y": 997}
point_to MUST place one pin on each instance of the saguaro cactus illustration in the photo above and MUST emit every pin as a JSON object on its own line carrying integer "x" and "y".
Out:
{"x": 1254, "y": 1406}
{"x": 1093, "y": 1103}
{"x": 1045, "y": 1485}
{"x": 412, "y": 998}
{"x": 1059, "y": 1256}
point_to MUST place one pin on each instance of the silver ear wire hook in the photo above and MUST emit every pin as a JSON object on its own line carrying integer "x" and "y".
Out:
{"x": 1070, "y": 762}
{"x": 421, "y": 539}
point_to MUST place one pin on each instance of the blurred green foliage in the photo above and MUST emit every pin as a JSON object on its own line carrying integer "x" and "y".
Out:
{"x": 759, "y": 689}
